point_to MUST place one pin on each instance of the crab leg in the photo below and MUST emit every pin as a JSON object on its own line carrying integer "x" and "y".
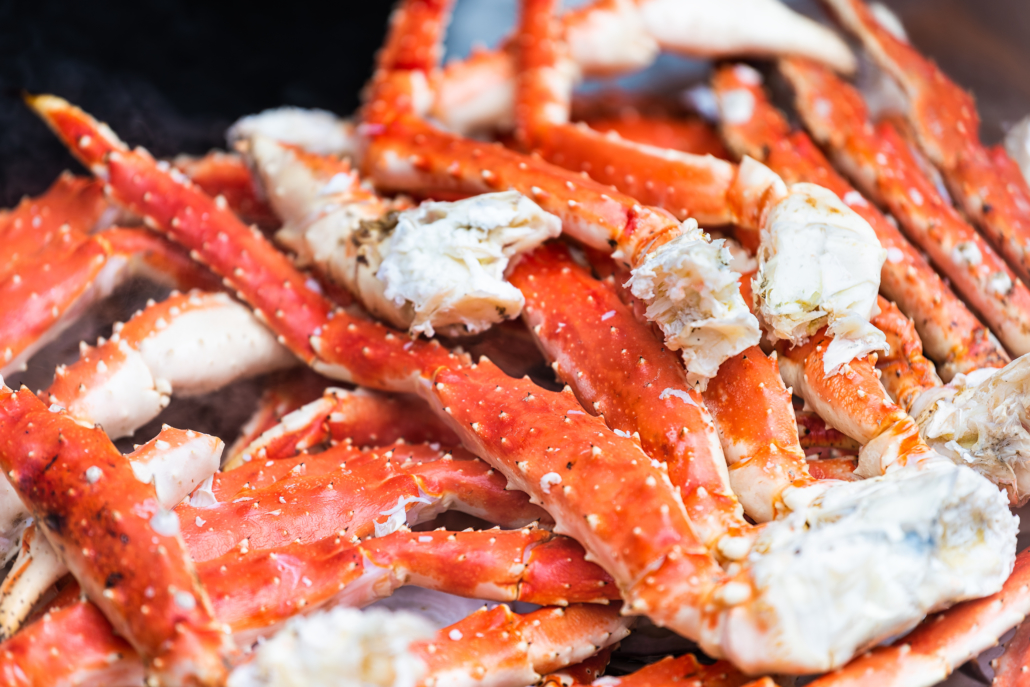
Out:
{"x": 617, "y": 367}
{"x": 360, "y": 418}
{"x": 175, "y": 462}
{"x": 752, "y": 411}
{"x": 881, "y": 164}
{"x": 280, "y": 398}
{"x": 685, "y": 134}
{"x": 190, "y": 343}
{"x": 253, "y": 593}
{"x": 666, "y": 672}
{"x": 615, "y": 36}
{"x": 227, "y": 175}
{"x": 165, "y": 613}
{"x": 257, "y": 507}
{"x": 55, "y": 268}
{"x": 904, "y": 372}
{"x": 951, "y": 333}
{"x": 1010, "y": 669}
{"x": 944, "y": 120}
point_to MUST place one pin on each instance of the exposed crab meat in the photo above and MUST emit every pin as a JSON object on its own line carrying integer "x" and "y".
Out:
{"x": 941, "y": 643}
{"x": 944, "y": 121}
{"x": 315, "y": 130}
{"x": 1017, "y": 145}
{"x": 881, "y": 164}
{"x": 165, "y": 614}
{"x": 980, "y": 420}
{"x": 819, "y": 265}
{"x": 439, "y": 266}
{"x": 951, "y": 333}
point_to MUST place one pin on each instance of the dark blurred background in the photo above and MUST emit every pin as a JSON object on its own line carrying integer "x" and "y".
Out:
{"x": 172, "y": 74}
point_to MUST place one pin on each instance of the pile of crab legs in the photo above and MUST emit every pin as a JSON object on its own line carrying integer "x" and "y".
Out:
{"x": 282, "y": 529}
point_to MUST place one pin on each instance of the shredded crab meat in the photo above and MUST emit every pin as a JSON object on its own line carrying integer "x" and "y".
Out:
{"x": 317, "y": 131}
{"x": 445, "y": 262}
{"x": 819, "y": 266}
{"x": 980, "y": 420}
{"x": 693, "y": 295}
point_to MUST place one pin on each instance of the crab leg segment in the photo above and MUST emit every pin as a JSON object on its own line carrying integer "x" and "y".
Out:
{"x": 256, "y": 591}
{"x": 1011, "y": 668}
{"x": 110, "y": 519}
{"x": 951, "y": 333}
{"x": 904, "y": 372}
{"x": 343, "y": 492}
{"x": 175, "y": 462}
{"x": 252, "y": 593}
{"x": 668, "y": 671}
{"x": 946, "y": 126}
{"x": 189, "y": 343}
{"x": 881, "y": 163}
{"x": 359, "y": 418}
{"x": 617, "y": 367}
{"x": 227, "y": 175}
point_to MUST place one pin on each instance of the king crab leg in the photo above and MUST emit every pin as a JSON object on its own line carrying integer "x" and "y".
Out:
{"x": 610, "y": 37}
{"x": 112, "y": 517}
{"x": 360, "y": 418}
{"x": 617, "y": 368}
{"x": 944, "y": 120}
{"x": 951, "y": 333}
{"x": 175, "y": 461}
{"x": 253, "y": 593}
{"x": 881, "y": 164}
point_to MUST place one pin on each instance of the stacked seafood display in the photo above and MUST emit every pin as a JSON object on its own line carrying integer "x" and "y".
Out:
{"x": 785, "y": 415}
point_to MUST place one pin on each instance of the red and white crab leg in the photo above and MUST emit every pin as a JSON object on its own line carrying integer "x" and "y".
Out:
{"x": 666, "y": 672}
{"x": 254, "y": 592}
{"x": 281, "y": 396}
{"x": 951, "y": 333}
{"x": 616, "y": 36}
{"x": 227, "y": 175}
{"x": 360, "y": 418}
{"x": 619, "y": 369}
{"x": 659, "y": 565}
{"x": 1011, "y": 668}
{"x": 266, "y": 505}
{"x": 190, "y": 343}
{"x": 945, "y": 123}
{"x": 261, "y": 590}
{"x": 100, "y": 518}
{"x": 175, "y": 462}
{"x": 882, "y": 165}
{"x": 491, "y": 647}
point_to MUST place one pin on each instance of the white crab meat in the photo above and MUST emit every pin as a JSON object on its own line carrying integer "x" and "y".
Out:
{"x": 446, "y": 261}
{"x": 342, "y": 647}
{"x": 694, "y": 296}
{"x": 863, "y": 561}
{"x": 317, "y": 131}
{"x": 819, "y": 265}
{"x": 980, "y": 420}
